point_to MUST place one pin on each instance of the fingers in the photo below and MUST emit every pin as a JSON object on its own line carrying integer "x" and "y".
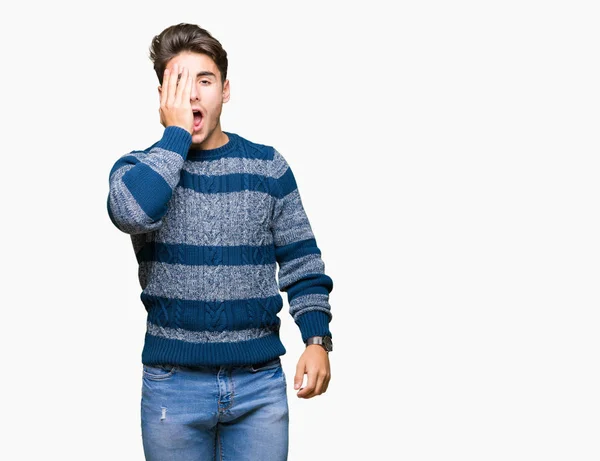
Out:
{"x": 299, "y": 376}
{"x": 172, "y": 85}
{"x": 184, "y": 87}
{"x": 187, "y": 87}
{"x": 312, "y": 387}
{"x": 326, "y": 383}
{"x": 316, "y": 384}
{"x": 176, "y": 86}
{"x": 175, "y": 107}
{"x": 164, "y": 86}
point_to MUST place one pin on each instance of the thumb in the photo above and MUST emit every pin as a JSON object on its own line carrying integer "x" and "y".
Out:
{"x": 299, "y": 375}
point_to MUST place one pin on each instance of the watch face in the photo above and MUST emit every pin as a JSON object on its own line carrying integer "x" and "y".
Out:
{"x": 327, "y": 343}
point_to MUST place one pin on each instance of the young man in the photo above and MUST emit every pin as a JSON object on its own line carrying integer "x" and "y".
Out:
{"x": 211, "y": 215}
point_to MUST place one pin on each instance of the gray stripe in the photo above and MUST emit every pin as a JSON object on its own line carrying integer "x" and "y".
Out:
{"x": 232, "y": 218}
{"x": 291, "y": 271}
{"x": 290, "y": 223}
{"x": 232, "y": 336}
{"x": 210, "y": 283}
{"x": 125, "y": 209}
{"x": 279, "y": 165}
{"x": 166, "y": 163}
{"x": 311, "y": 302}
{"x": 228, "y": 165}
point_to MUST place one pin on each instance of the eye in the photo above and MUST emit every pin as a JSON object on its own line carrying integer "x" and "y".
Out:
{"x": 205, "y": 82}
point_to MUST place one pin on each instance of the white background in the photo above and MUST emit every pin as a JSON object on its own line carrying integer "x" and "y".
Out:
{"x": 447, "y": 157}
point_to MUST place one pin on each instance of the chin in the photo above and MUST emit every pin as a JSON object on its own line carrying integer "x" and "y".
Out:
{"x": 198, "y": 138}
{"x": 205, "y": 134}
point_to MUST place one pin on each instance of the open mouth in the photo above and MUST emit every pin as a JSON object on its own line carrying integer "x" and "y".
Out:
{"x": 198, "y": 117}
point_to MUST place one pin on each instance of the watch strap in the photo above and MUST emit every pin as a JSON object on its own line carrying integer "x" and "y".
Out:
{"x": 324, "y": 342}
{"x": 314, "y": 340}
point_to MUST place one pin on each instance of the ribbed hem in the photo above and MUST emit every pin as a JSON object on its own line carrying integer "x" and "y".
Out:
{"x": 170, "y": 351}
{"x": 175, "y": 139}
{"x": 313, "y": 323}
{"x": 218, "y": 152}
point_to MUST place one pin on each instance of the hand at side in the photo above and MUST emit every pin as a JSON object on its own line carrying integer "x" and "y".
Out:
{"x": 314, "y": 362}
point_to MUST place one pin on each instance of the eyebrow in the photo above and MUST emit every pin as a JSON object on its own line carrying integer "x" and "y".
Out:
{"x": 205, "y": 73}
{"x": 202, "y": 73}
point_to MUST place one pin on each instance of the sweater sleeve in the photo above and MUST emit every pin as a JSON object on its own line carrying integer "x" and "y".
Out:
{"x": 141, "y": 183}
{"x": 301, "y": 269}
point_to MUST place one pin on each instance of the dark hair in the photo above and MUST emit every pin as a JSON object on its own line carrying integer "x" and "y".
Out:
{"x": 186, "y": 37}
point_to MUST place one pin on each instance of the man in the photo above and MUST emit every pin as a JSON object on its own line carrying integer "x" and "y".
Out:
{"x": 211, "y": 215}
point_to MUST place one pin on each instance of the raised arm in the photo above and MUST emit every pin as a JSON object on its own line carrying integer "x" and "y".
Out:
{"x": 141, "y": 183}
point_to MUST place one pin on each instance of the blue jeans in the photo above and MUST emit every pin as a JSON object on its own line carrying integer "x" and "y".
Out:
{"x": 229, "y": 413}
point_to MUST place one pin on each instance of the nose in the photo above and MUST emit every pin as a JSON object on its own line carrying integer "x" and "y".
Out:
{"x": 195, "y": 94}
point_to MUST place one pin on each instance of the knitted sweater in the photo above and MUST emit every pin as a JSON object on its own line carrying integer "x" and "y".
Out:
{"x": 208, "y": 229}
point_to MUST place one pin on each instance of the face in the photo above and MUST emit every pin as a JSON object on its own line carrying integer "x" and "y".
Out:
{"x": 207, "y": 98}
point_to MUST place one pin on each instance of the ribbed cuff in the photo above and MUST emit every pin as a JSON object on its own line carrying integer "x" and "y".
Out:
{"x": 313, "y": 323}
{"x": 176, "y": 139}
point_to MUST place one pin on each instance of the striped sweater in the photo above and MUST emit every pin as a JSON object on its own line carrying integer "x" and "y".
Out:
{"x": 208, "y": 229}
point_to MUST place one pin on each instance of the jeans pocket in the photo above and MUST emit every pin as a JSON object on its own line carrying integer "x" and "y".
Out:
{"x": 157, "y": 372}
{"x": 263, "y": 366}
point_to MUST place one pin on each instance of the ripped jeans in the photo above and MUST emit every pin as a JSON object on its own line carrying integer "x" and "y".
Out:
{"x": 229, "y": 413}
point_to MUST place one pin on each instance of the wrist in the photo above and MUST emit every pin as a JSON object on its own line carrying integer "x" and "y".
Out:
{"x": 323, "y": 341}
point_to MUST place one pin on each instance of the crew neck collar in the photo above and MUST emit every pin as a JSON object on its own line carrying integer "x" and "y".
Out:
{"x": 203, "y": 154}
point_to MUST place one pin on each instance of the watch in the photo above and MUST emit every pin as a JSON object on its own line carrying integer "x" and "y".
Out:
{"x": 324, "y": 341}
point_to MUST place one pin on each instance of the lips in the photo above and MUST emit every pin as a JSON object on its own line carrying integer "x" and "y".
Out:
{"x": 198, "y": 117}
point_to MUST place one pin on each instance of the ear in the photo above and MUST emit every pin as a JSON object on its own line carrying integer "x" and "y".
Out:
{"x": 159, "y": 92}
{"x": 226, "y": 91}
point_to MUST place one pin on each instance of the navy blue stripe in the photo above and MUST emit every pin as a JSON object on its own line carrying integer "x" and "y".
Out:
{"x": 161, "y": 350}
{"x": 254, "y": 150}
{"x": 299, "y": 290}
{"x": 149, "y": 189}
{"x": 175, "y": 139}
{"x": 296, "y": 250}
{"x": 287, "y": 183}
{"x": 126, "y": 160}
{"x": 196, "y": 255}
{"x": 308, "y": 283}
{"x": 237, "y": 147}
{"x": 236, "y": 314}
{"x": 314, "y": 323}
{"x": 234, "y": 182}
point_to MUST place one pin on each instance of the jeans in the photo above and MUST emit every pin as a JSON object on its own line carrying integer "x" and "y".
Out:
{"x": 229, "y": 413}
